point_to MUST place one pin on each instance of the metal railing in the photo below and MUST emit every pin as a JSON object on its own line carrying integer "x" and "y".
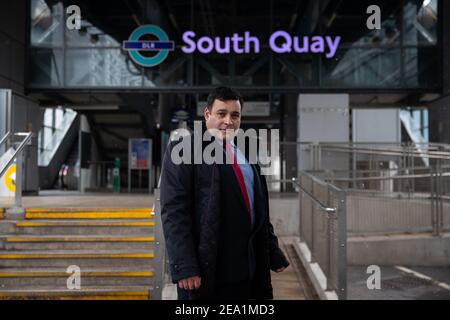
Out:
{"x": 390, "y": 189}
{"x": 373, "y": 194}
{"x": 161, "y": 265}
{"x": 323, "y": 229}
{"x": 18, "y": 156}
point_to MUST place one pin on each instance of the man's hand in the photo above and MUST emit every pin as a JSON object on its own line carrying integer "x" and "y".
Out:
{"x": 280, "y": 269}
{"x": 190, "y": 283}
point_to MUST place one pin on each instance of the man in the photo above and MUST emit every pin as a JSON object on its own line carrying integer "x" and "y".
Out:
{"x": 219, "y": 238}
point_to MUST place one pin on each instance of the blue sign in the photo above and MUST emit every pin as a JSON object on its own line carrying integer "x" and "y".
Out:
{"x": 140, "y": 153}
{"x": 163, "y": 45}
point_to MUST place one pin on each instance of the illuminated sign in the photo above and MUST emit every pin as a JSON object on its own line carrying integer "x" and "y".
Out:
{"x": 279, "y": 42}
{"x": 162, "y": 46}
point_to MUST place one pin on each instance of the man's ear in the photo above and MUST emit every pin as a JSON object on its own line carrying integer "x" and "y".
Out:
{"x": 206, "y": 113}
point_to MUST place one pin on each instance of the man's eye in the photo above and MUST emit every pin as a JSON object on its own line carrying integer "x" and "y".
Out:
{"x": 221, "y": 114}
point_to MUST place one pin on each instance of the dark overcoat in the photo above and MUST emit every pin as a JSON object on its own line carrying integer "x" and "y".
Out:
{"x": 191, "y": 204}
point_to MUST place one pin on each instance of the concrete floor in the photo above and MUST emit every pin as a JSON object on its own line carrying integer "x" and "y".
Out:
{"x": 400, "y": 285}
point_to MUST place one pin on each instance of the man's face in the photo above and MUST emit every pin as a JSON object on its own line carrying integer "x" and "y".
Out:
{"x": 223, "y": 119}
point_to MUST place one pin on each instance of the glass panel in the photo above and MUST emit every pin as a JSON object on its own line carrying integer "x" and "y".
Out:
{"x": 421, "y": 67}
{"x": 172, "y": 72}
{"x": 59, "y": 113}
{"x": 350, "y": 23}
{"x": 47, "y": 25}
{"x": 420, "y": 22}
{"x": 51, "y": 139}
{"x": 363, "y": 67}
{"x": 105, "y": 67}
{"x": 48, "y": 132}
{"x": 47, "y": 67}
{"x": 297, "y": 69}
{"x": 89, "y": 36}
{"x": 48, "y": 118}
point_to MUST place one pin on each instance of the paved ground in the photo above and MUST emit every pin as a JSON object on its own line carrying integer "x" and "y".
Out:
{"x": 401, "y": 283}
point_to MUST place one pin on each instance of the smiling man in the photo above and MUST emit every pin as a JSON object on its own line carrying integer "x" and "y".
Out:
{"x": 219, "y": 238}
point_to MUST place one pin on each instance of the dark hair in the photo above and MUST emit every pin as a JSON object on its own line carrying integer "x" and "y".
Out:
{"x": 223, "y": 94}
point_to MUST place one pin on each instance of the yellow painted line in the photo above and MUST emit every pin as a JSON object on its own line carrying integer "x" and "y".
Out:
{"x": 45, "y": 210}
{"x": 80, "y": 239}
{"x": 77, "y": 255}
{"x": 74, "y": 298}
{"x": 85, "y": 224}
{"x": 40, "y": 274}
{"x": 147, "y": 297}
{"x": 75, "y": 293}
{"x": 2, "y": 215}
{"x": 89, "y": 215}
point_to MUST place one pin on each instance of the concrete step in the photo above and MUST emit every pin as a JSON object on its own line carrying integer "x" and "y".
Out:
{"x": 23, "y": 278}
{"x": 88, "y": 213}
{"x": 76, "y": 242}
{"x": 136, "y": 227}
{"x": 81, "y": 258}
{"x": 87, "y": 293}
{"x": 7, "y": 226}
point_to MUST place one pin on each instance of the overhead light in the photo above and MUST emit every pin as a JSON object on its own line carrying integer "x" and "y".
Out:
{"x": 426, "y": 3}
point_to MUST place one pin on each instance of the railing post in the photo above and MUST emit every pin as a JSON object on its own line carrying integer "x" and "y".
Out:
{"x": 159, "y": 250}
{"x": 313, "y": 258}
{"x": 342, "y": 238}
{"x": 19, "y": 171}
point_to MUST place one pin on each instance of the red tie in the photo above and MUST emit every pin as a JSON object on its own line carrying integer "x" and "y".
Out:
{"x": 239, "y": 176}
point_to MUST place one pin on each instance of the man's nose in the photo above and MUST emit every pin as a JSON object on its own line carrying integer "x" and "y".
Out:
{"x": 228, "y": 119}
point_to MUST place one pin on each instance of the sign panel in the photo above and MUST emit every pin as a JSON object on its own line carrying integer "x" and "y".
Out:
{"x": 139, "y": 154}
{"x": 8, "y": 180}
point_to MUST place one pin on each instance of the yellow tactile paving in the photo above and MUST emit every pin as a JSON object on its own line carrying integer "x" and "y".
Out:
{"x": 79, "y": 239}
{"x": 50, "y": 274}
{"x": 85, "y": 224}
{"x": 45, "y": 210}
{"x": 76, "y": 255}
{"x": 89, "y": 215}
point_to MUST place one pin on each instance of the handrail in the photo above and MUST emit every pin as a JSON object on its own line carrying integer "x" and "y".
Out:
{"x": 19, "y": 149}
{"x": 5, "y": 137}
{"x": 327, "y": 210}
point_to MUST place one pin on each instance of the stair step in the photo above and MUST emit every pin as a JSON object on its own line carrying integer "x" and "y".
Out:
{"x": 76, "y": 238}
{"x": 80, "y": 227}
{"x": 88, "y": 223}
{"x": 61, "y": 272}
{"x": 114, "y": 249}
{"x": 85, "y": 293}
{"x": 78, "y": 242}
{"x": 23, "y": 278}
{"x": 87, "y": 209}
{"x": 74, "y": 255}
{"x": 81, "y": 258}
{"x": 87, "y": 213}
